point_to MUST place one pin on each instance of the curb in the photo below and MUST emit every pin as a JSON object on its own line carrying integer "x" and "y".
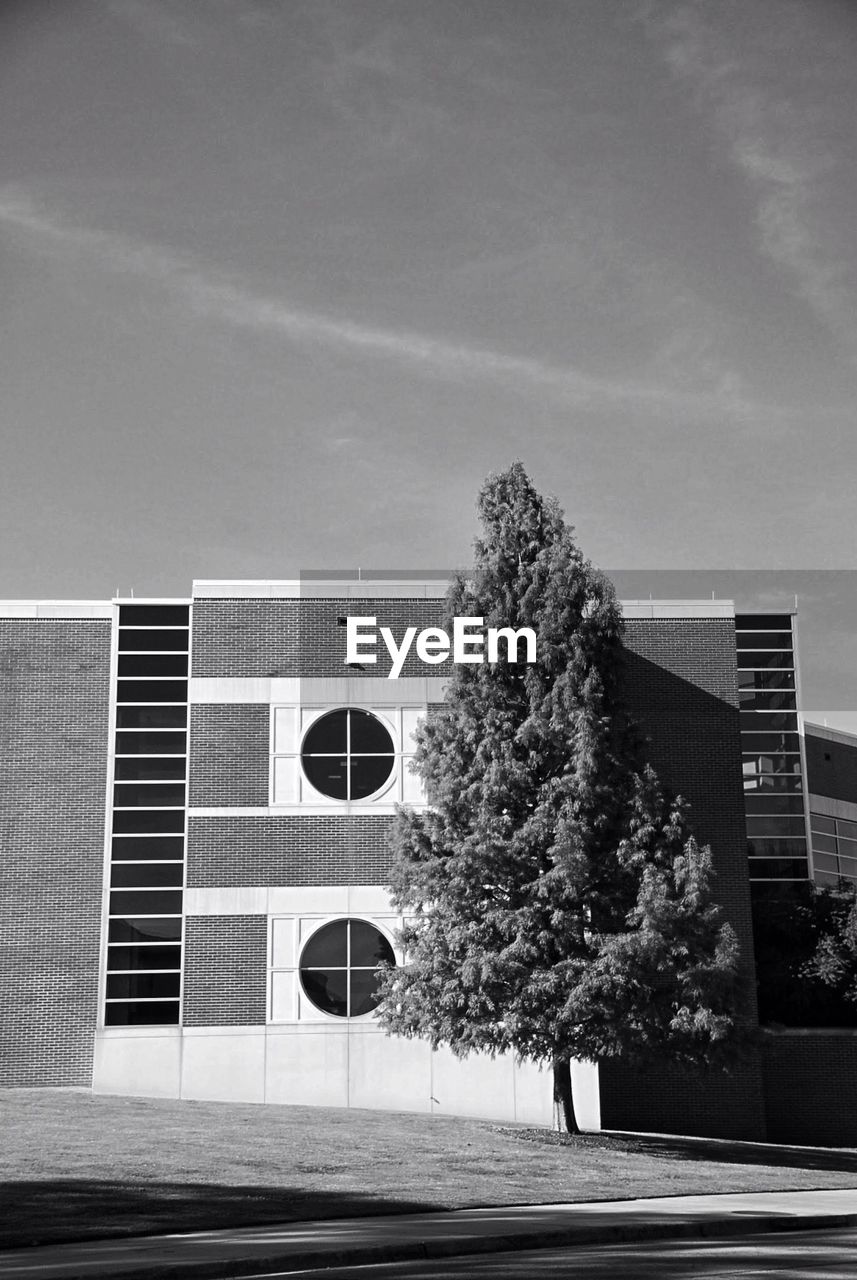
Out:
{"x": 450, "y": 1247}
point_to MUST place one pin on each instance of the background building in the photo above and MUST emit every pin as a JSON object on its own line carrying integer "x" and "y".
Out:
{"x": 196, "y": 799}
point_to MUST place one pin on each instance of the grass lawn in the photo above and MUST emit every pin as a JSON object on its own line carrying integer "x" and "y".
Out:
{"x": 75, "y": 1166}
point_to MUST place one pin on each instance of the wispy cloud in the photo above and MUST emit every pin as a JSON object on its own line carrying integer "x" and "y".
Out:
{"x": 213, "y": 294}
{"x": 770, "y": 142}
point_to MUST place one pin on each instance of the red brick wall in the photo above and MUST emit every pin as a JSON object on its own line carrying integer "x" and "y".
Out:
{"x": 229, "y": 755}
{"x": 289, "y": 850}
{"x": 225, "y": 971}
{"x": 811, "y": 1087}
{"x": 54, "y": 710}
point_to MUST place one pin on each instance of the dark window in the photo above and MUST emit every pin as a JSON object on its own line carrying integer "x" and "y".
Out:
{"x": 144, "y": 957}
{"x": 761, "y": 658}
{"x": 772, "y": 826}
{"x": 145, "y": 875}
{"x": 777, "y": 847}
{"x": 174, "y": 717}
{"x": 174, "y": 640}
{"x": 777, "y": 869}
{"x": 777, "y": 679}
{"x": 768, "y": 802}
{"x": 338, "y": 966}
{"x": 142, "y": 986}
{"x": 153, "y": 1013}
{"x": 763, "y": 621}
{"x": 145, "y": 929}
{"x": 765, "y": 721}
{"x": 769, "y": 743}
{"x": 763, "y": 639}
{"x": 819, "y": 823}
{"x": 152, "y": 664}
{"x": 151, "y": 744}
{"x": 140, "y": 902}
{"x": 765, "y": 783}
{"x": 136, "y": 848}
{"x": 153, "y": 615}
{"x": 347, "y": 754}
{"x": 146, "y": 821}
{"x": 767, "y": 699}
{"x": 148, "y": 795}
{"x": 139, "y": 769}
{"x": 151, "y": 691}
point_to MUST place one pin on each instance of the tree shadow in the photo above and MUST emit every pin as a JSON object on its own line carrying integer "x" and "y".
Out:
{"x": 61, "y": 1210}
{"x": 724, "y": 1151}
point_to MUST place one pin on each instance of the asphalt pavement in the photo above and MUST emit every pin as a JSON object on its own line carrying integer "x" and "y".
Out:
{"x": 460, "y": 1234}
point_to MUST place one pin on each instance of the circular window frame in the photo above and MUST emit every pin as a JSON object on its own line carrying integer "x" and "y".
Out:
{"x": 388, "y": 782}
{"x": 317, "y": 1011}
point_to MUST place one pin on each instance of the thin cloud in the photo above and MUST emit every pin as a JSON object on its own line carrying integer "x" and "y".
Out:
{"x": 768, "y": 144}
{"x": 213, "y": 295}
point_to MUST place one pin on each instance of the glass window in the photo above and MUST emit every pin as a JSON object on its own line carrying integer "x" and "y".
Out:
{"x": 152, "y": 640}
{"x": 348, "y": 754}
{"x": 145, "y": 929}
{"x": 151, "y": 691}
{"x": 767, "y": 699}
{"x": 766, "y": 679}
{"x": 765, "y": 721}
{"x": 823, "y": 844}
{"x": 337, "y": 968}
{"x": 773, "y": 826}
{"x": 777, "y": 847}
{"x": 763, "y": 639}
{"x": 145, "y": 821}
{"x": 764, "y": 658}
{"x": 150, "y": 744}
{"x": 777, "y": 869}
{"x": 139, "y": 902}
{"x": 132, "y": 957}
{"x": 147, "y": 1013}
{"x": 168, "y": 717}
{"x": 846, "y": 829}
{"x": 148, "y": 795}
{"x": 753, "y": 743}
{"x": 152, "y": 664}
{"x": 153, "y": 615}
{"x": 156, "y": 768}
{"x": 819, "y": 823}
{"x": 763, "y": 621}
{"x": 138, "y": 848}
{"x": 142, "y": 986}
{"x": 146, "y": 875}
{"x": 772, "y": 802}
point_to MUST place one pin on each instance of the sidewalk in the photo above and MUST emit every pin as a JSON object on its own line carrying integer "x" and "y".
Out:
{"x": 406, "y": 1237}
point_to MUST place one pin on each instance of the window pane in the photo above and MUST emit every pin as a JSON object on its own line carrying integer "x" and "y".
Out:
{"x": 770, "y": 763}
{"x": 145, "y": 875}
{"x": 155, "y": 1014}
{"x": 765, "y": 721}
{"x": 775, "y": 826}
{"x": 769, "y": 802}
{"x": 827, "y": 878}
{"x": 174, "y": 640}
{"x": 776, "y": 847}
{"x": 144, "y": 957}
{"x": 328, "y": 774}
{"x": 327, "y": 989}
{"x": 824, "y": 861}
{"x": 364, "y": 992}
{"x": 132, "y": 821}
{"x": 763, "y": 621}
{"x": 144, "y": 929}
{"x": 174, "y": 717}
{"x": 135, "y": 848}
{"x": 763, "y": 639}
{"x": 767, "y": 699}
{"x": 140, "y": 902}
{"x": 760, "y": 784}
{"x": 823, "y": 844}
{"x": 770, "y": 743}
{"x": 368, "y": 774}
{"x": 328, "y": 735}
{"x": 142, "y": 986}
{"x": 328, "y": 946}
{"x": 151, "y": 744}
{"x": 369, "y": 946}
{"x": 157, "y": 767}
{"x": 847, "y": 829}
{"x": 777, "y": 869}
{"x": 766, "y": 679}
{"x": 761, "y": 658}
{"x": 848, "y": 867}
{"x": 153, "y": 615}
{"x": 152, "y": 664}
{"x": 369, "y": 734}
{"x": 151, "y": 691}
{"x": 148, "y": 795}
{"x": 819, "y": 823}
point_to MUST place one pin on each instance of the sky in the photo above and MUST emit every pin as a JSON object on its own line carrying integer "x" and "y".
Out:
{"x": 282, "y": 282}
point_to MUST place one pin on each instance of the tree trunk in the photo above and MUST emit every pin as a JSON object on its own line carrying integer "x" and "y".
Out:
{"x": 562, "y": 1097}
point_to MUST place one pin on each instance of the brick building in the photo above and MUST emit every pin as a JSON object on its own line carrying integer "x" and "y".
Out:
{"x": 196, "y": 795}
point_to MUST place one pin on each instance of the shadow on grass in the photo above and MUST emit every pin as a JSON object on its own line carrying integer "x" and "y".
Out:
{"x": 60, "y": 1210}
{"x": 712, "y": 1151}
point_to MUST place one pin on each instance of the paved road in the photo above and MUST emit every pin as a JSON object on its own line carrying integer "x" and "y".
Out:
{"x": 805, "y": 1255}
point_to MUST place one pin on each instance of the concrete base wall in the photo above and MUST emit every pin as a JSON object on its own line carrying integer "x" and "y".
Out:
{"x": 330, "y": 1066}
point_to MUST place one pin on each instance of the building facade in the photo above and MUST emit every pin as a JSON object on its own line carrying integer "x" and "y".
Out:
{"x": 197, "y": 795}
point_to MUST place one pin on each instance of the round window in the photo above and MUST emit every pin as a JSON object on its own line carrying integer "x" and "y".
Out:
{"x": 348, "y": 755}
{"x": 338, "y": 967}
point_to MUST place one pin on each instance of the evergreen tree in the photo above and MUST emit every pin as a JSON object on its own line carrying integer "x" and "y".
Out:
{"x": 555, "y": 902}
{"x": 834, "y": 961}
